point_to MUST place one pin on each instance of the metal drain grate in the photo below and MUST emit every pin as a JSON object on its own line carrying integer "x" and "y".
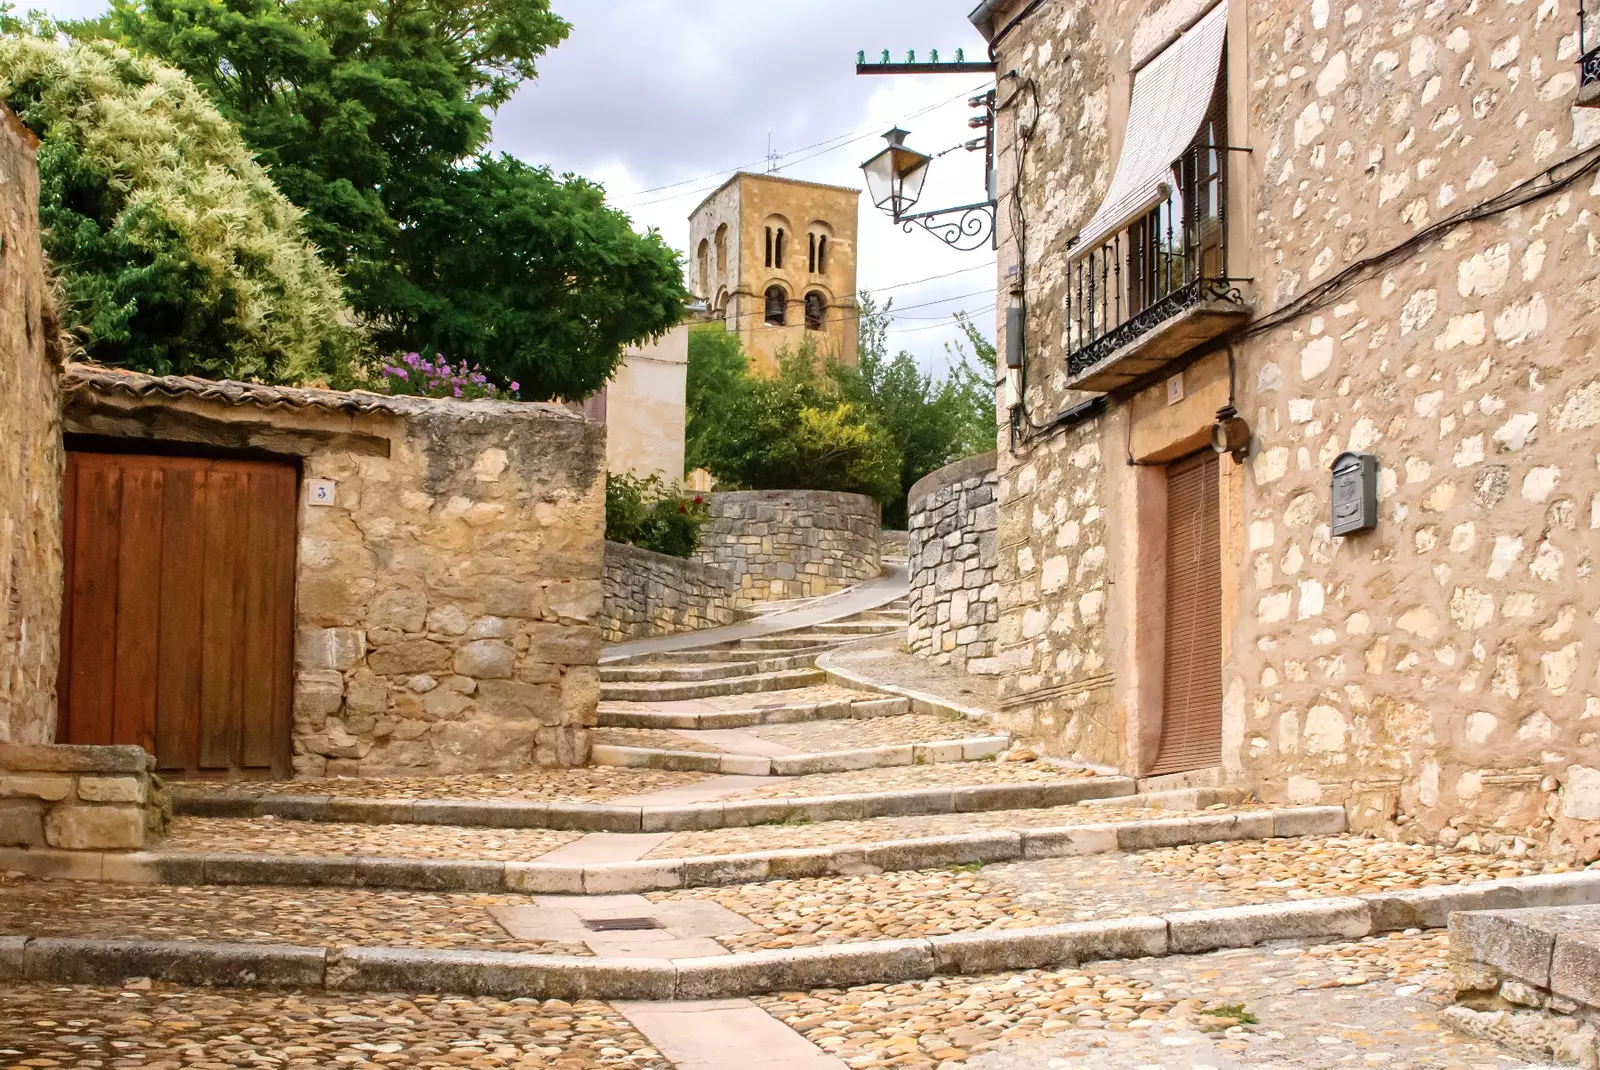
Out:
{"x": 620, "y": 925}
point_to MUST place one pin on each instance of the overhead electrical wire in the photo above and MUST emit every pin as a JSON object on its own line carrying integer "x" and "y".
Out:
{"x": 629, "y": 200}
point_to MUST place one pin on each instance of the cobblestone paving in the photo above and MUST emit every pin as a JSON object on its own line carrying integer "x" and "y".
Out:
{"x": 817, "y": 736}
{"x": 828, "y": 833}
{"x": 886, "y": 662}
{"x": 599, "y": 784}
{"x": 1372, "y": 1003}
{"x": 166, "y": 1026}
{"x": 946, "y": 775}
{"x": 267, "y": 835}
{"x": 309, "y": 917}
{"x": 654, "y": 738}
{"x": 829, "y": 910}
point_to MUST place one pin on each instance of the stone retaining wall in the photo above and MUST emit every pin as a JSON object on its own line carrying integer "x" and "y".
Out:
{"x": 953, "y": 550}
{"x": 78, "y": 798}
{"x": 31, "y": 462}
{"x": 649, "y": 594}
{"x": 781, "y": 544}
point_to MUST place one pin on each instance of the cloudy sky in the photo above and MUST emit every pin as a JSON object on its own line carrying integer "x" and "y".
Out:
{"x": 661, "y": 100}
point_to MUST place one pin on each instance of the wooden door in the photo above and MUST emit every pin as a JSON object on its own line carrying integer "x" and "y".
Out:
{"x": 1191, "y": 715}
{"x": 177, "y": 625}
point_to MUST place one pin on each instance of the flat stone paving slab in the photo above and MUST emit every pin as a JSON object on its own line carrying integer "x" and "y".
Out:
{"x": 932, "y": 902}
{"x": 812, "y": 737}
{"x": 266, "y": 835}
{"x": 597, "y": 784}
{"x": 729, "y": 1034}
{"x": 168, "y": 1026}
{"x": 1368, "y": 1003}
{"x": 308, "y": 917}
{"x": 1556, "y": 948}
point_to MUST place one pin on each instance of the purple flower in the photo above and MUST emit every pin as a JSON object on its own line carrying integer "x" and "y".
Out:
{"x": 412, "y": 358}
{"x": 458, "y": 391}
{"x": 515, "y": 386}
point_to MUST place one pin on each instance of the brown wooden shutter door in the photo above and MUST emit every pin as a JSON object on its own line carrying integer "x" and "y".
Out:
{"x": 1191, "y": 716}
{"x": 177, "y": 626}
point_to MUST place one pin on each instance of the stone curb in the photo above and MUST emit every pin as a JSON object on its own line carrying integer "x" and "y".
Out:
{"x": 512, "y": 974}
{"x": 938, "y": 752}
{"x": 656, "y": 874}
{"x": 840, "y": 710}
{"x": 604, "y": 817}
{"x": 921, "y": 701}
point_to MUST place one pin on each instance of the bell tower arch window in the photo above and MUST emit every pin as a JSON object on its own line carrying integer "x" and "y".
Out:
{"x": 777, "y": 306}
{"x": 816, "y": 310}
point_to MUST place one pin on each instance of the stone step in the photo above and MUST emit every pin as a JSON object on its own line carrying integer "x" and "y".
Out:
{"x": 528, "y": 873}
{"x": 744, "y": 685}
{"x": 967, "y": 749}
{"x": 642, "y": 817}
{"x": 664, "y": 671}
{"x": 720, "y": 655}
{"x": 793, "y": 641}
{"x": 863, "y": 708}
{"x": 847, "y": 627}
{"x": 352, "y": 967}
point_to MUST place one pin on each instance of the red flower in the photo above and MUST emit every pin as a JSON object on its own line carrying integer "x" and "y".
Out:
{"x": 699, "y": 500}
{"x": 682, "y": 508}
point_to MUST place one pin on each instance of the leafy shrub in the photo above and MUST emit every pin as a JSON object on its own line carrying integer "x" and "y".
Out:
{"x": 174, "y": 250}
{"x": 653, "y": 515}
{"x": 434, "y": 377}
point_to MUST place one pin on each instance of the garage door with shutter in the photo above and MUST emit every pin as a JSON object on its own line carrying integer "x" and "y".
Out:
{"x": 177, "y": 626}
{"x": 1191, "y": 715}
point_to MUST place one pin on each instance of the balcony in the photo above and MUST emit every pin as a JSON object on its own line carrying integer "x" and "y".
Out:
{"x": 1159, "y": 287}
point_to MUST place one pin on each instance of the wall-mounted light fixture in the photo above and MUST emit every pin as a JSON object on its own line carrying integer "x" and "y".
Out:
{"x": 1230, "y": 434}
{"x": 896, "y": 176}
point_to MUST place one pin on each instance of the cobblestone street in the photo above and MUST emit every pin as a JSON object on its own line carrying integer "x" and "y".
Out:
{"x": 462, "y": 905}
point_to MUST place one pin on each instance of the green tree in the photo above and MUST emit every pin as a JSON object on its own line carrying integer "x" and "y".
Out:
{"x": 372, "y": 116}
{"x": 717, "y": 372}
{"x": 795, "y": 432}
{"x": 174, "y": 251}
{"x": 933, "y": 422}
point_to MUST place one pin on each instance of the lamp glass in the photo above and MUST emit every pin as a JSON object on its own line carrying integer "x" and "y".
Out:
{"x": 881, "y": 178}
{"x": 913, "y": 167}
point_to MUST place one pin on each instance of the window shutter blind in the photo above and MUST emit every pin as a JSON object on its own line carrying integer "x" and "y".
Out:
{"x": 1191, "y": 716}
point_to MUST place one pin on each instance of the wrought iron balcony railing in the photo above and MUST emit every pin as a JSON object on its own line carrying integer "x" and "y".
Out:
{"x": 1171, "y": 259}
{"x": 1589, "y": 73}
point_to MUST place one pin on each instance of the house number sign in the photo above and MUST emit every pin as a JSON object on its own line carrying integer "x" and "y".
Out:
{"x": 1355, "y": 493}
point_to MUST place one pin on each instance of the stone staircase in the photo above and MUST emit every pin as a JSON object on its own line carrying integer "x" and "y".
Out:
{"x": 767, "y": 832}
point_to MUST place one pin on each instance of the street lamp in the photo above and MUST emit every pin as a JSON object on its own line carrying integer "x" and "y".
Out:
{"x": 896, "y": 175}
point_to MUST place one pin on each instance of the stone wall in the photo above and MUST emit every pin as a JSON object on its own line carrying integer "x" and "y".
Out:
{"x": 1438, "y": 674}
{"x": 952, "y": 551}
{"x": 448, "y": 600}
{"x": 31, "y": 460}
{"x": 781, "y": 544}
{"x": 78, "y": 798}
{"x": 649, "y": 594}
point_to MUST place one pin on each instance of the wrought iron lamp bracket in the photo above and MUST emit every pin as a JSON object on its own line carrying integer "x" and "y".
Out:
{"x": 966, "y": 228}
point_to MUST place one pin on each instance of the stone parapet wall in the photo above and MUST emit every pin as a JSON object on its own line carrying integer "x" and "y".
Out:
{"x": 953, "y": 548}
{"x": 31, "y": 459}
{"x": 78, "y": 798}
{"x": 781, "y": 544}
{"x": 649, "y": 594}
{"x": 448, "y": 597}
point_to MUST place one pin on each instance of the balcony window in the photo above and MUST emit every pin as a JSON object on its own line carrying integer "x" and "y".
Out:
{"x": 1148, "y": 276}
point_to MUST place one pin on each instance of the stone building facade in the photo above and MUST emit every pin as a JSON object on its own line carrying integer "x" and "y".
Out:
{"x": 1406, "y": 198}
{"x": 775, "y": 261}
{"x": 779, "y": 544}
{"x": 448, "y": 566}
{"x": 31, "y": 460}
{"x": 643, "y": 410}
{"x": 952, "y": 551}
{"x": 649, "y": 594}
